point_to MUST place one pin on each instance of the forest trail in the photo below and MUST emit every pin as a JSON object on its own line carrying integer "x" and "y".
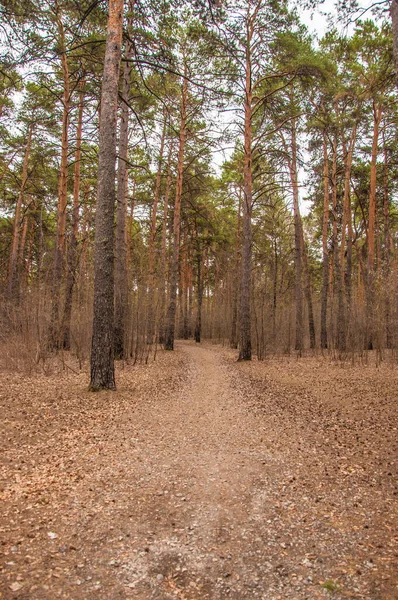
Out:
{"x": 200, "y": 478}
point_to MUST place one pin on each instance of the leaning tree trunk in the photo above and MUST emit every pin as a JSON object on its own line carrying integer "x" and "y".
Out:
{"x": 102, "y": 347}
{"x": 121, "y": 275}
{"x": 171, "y": 311}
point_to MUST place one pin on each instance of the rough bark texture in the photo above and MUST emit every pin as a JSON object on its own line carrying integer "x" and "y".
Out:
{"x": 325, "y": 252}
{"x": 245, "y": 346}
{"x": 72, "y": 250}
{"x": 171, "y": 311}
{"x": 121, "y": 274}
{"x": 394, "y": 21}
{"x": 102, "y": 348}
{"x": 13, "y": 273}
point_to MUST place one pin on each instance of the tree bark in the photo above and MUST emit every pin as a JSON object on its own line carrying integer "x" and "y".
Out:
{"x": 171, "y": 311}
{"x": 245, "y": 346}
{"x": 394, "y": 22}
{"x": 325, "y": 252}
{"x": 377, "y": 112}
{"x": 298, "y": 238}
{"x": 151, "y": 317}
{"x": 340, "y": 325}
{"x": 102, "y": 347}
{"x": 163, "y": 252}
{"x": 233, "y": 342}
{"x": 72, "y": 250}
{"x": 347, "y": 225}
{"x": 13, "y": 278}
{"x": 387, "y": 250}
{"x": 307, "y": 289}
{"x": 199, "y": 287}
{"x": 54, "y": 338}
{"x": 121, "y": 273}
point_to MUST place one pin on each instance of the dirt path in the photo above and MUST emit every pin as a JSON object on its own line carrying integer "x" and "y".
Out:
{"x": 200, "y": 478}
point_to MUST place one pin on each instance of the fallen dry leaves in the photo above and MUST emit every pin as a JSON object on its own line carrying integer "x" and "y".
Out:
{"x": 201, "y": 478}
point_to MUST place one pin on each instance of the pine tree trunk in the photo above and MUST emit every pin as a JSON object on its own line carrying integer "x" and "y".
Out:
{"x": 347, "y": 226}
{"x": 307, "y": 291}
{"x": 245, "y": 346}
{"x": 387, "y": 251}
{"x": 371, "y": 229}
{"x": 13, "y": 270}
{"x": 54, "y": 336}
{"x": 151, "y": 317}
{"x": 121, "y": 274}
{"x": 340, "y": 325}
{"x": 171, "y": 311}
{"x": 298, "y": 251}
{"x": 72, "y": 250}
{"x": 102, "y": 347}
{"x": 199, "y": 287}
{"x": 233, "y": 341}
{"x": 394, "y": 22}
{"x": 325, "y": 251}
{"x": 163, "y": 253}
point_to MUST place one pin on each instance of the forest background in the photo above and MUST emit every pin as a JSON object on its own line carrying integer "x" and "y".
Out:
{"x": 218, "y": 253}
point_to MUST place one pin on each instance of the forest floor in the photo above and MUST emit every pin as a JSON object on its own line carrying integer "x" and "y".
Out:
{"x": 201, "y": 478}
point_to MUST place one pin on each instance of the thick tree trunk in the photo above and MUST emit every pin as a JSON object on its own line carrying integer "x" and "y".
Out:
{"x": 13, "y": 271}
{"x": 245, "y": 346}
{"x": 121, "y": 274}
{"x": 394, "y": 22}
{"x": 171, "y": 311}
{"x": 72, "y": 250}
{"x": 325, "y": 251}
{"x": 102, "y": 347}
